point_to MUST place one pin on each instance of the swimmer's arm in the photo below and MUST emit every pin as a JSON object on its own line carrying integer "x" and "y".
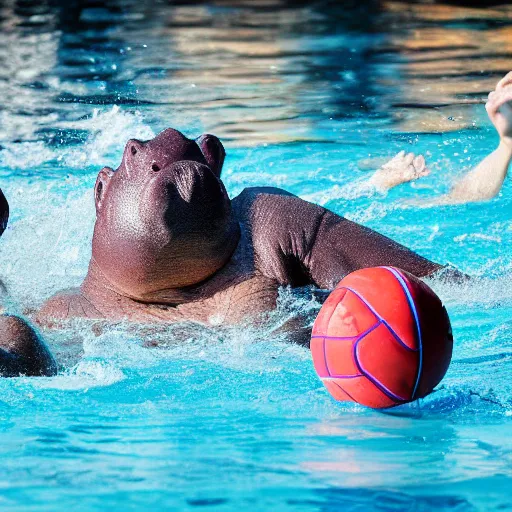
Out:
{"x": 402, "y": 168}
{"x": 485, "y": 181}
{"x": 481, "y": 183}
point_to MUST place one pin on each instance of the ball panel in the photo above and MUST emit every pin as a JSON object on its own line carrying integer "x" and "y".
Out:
{"x": 436, "y": 335}
{"x": 364, "y": 392}
{"x": 322, "y": 320}
{"x": 380, "y": 288}
{"x": 336, "y": 390}
{"x": 387, "y": 362}
{"x": 351, "y": 317}
{"x": 318, "y": 353}
{"x": 339, "y": 355}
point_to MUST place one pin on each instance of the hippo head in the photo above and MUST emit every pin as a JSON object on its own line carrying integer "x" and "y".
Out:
{"x": 4, "y": 212}
{"x": 163, "y": 218}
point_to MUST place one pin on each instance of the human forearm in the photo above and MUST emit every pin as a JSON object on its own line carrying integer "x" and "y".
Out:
{"x": 484, "y": 181}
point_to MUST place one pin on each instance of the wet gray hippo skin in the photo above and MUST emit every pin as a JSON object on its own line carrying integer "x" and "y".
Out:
{"x": 22, "y": 351}
{"x": 169, "y": 245}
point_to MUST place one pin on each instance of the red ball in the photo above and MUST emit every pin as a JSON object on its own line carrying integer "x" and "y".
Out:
{"x": 382, "y": 338}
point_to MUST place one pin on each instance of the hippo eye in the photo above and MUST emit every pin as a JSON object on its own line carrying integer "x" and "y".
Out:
{"x": 133, "y": 149}
{"x": 155, "y": 167}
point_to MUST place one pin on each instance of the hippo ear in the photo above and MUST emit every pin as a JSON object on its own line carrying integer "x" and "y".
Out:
{"x": 101, "y": 186}
{"x": 4, "y": 212}
{"x": 213, "y": 152}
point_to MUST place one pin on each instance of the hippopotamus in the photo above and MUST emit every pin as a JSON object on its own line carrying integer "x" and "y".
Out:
{"x": 22, "y": 351}
{"x": 169, "y": 245}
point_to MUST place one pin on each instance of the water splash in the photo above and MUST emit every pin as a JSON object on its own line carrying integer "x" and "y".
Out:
{"x": 107, "y": 132}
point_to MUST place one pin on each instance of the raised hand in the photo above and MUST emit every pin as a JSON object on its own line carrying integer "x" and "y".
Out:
{"x": 499, "y": 109}
{"x": 402, "y": 168}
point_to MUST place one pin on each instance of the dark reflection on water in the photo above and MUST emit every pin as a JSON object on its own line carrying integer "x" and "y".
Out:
{"x": 335, "y": 499}
{"x": 252, "y": 72}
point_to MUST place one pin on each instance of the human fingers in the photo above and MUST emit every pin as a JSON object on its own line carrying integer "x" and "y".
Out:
{"x": 493, "y": 103}
{"x": 496, "y": 117}
{"x": 492, "y": 109}
{"x": 504, "y": 99}
{"x": 419, "y": 163}
{"x": 398, "y": 157}
{"x": 497, "y": 99}
{"x": 506, "y": 80}
{"x": 393, "y": 162}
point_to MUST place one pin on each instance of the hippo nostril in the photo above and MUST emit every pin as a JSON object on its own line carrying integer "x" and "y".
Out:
{"x": 133, "y": 149}
{"x": 155, "y": 167}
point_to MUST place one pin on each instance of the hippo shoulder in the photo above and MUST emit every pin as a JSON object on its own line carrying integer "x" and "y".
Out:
{"x": 282, "y": 228}
{"x": 252, "y": 197}
{"x": 64, "y": 305}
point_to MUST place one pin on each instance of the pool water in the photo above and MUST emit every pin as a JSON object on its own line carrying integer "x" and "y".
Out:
{"x": 303, "y": 98}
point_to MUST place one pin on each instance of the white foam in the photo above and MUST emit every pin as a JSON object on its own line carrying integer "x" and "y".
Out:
{"x": 347, "y": 192}
{"x": 83, "y": 376}
{"x": 119, "y": 348}
{"x": 108, "y": 132}
{"x": 26, "y": 155}
{"x": 47, "y": 245}
{"x": 483, "y": 291}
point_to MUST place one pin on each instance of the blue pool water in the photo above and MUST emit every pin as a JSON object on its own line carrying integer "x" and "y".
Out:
{"x": 302, "y": 97}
